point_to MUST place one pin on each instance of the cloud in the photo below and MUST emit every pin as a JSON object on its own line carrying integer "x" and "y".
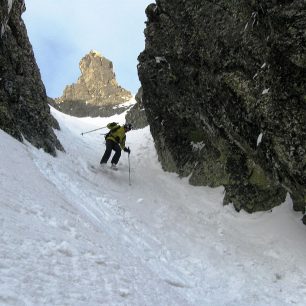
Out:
{"x": 63, "y": 31}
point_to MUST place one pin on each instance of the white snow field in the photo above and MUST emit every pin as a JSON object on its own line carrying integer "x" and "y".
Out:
{"x": 71, "y": 235}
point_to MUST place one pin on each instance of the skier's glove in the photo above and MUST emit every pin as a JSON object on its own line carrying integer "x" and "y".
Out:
{"x": 127, "y": 150}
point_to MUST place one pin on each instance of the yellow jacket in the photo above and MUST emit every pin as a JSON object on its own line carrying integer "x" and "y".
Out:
{"x": 116, "y": 134}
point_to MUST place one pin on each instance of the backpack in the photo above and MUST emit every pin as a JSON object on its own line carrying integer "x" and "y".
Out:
{"x": 113, "y": 126}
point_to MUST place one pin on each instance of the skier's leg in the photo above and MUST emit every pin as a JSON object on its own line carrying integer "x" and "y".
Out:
{"x": 117, "y": 155}
{"x": 108, "y": 151}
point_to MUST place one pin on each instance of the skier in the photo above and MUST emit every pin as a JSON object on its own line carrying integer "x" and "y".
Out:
{"x": 115, "y": 140}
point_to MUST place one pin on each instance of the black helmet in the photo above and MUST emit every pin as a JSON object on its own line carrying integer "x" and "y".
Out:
{"x": 128, "y": 126}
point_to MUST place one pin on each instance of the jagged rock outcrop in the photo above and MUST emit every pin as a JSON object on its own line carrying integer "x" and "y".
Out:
{"x": 24, "y": 111}
{"x": 136, "y": 115}
{"x": 224, "y": 93}
{"x": 96, "y": 91}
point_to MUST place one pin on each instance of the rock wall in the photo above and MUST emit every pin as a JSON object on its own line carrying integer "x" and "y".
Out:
{"x": 24, "y": 111}
{"x": 96, "y": 90}
{"x": 224, "y": 93}
{"x": 136, "y": 115}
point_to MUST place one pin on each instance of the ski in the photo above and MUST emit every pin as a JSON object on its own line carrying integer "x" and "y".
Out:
{"x": 99, "y": 168}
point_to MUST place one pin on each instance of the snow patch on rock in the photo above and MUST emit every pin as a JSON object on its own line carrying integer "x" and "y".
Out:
{"x": 9, "y": 5}
{"x": 259, "y": 139}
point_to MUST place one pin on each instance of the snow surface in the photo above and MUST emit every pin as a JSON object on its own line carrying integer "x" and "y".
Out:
{"x": 70, "y": 235}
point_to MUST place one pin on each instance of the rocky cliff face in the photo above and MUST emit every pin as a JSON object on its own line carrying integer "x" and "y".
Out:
{"x": 224, "y": 92}
{"x": 96, "y": 90}
{"x": 136, "y": 115}
{"x": 24, "y": 111}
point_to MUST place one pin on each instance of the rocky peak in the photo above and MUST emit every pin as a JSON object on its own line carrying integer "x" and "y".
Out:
{"x": 97, "y": 71}
{"x": 97, "y": 84}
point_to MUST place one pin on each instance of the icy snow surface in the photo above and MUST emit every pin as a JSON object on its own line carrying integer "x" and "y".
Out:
{"x": 71, "y": 235}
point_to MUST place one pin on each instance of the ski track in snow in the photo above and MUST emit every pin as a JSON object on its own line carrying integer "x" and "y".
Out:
{"x": 85, "y": 237}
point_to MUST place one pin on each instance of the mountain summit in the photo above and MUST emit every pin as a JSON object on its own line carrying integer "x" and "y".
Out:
{"x": 95, "y": 88}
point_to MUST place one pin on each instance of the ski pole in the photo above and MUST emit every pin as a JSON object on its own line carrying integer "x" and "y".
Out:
{"x": 129, "y": 170}
{"x": 93, "y": 130}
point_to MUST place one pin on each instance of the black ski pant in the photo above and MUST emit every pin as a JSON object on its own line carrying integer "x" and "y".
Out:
{"x": 111, "y": 145}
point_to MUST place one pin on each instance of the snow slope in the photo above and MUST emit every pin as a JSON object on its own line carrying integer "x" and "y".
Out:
{"x": 71, "y": 235}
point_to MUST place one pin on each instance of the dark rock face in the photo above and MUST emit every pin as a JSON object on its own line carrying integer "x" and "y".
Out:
{"x": 96, "y": 91}
{"x": 136, "y": 115}
{"x": 24, "y": 111}
{"x": 224, "y": 93}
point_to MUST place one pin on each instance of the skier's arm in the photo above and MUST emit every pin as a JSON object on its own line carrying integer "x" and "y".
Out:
{"x": 122, "y": 143}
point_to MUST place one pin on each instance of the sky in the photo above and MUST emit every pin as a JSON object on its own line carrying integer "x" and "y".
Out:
{"x": 63, "y": 31}
{"x": 75, "y": 234}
